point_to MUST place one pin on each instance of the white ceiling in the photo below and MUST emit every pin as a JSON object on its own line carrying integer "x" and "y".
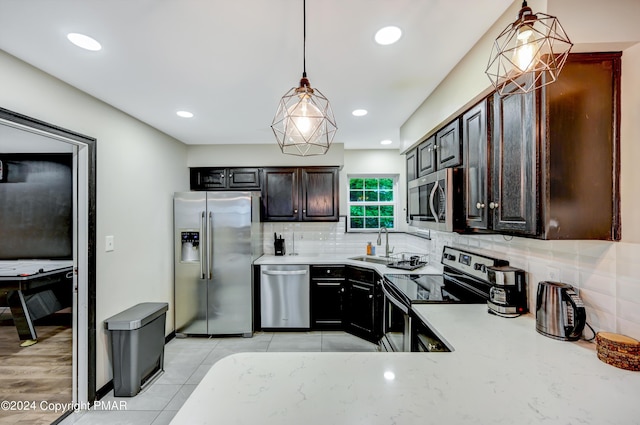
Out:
{"x": 230, "y": 62}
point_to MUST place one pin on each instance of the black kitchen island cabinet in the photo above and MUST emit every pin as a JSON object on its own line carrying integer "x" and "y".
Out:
{"x": 327, "y": 289}
{"x": 363, "y": 301}
{"x": 300, "y": 194}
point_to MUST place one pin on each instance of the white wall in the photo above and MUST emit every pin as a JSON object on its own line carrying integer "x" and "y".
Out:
{"x": 261, "y": 155}
{"x": 138, "y": 169}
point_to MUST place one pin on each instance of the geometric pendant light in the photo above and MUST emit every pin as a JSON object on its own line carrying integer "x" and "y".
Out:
{"x": 528, "y": 54}
{"x": 304, "y": 124}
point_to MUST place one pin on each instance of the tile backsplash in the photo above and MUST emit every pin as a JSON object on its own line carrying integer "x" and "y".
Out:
{"x": 606, "y": 274}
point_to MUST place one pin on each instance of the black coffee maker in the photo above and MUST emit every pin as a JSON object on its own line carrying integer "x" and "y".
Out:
{"x": 278, "y": 244}
{"x": 508, "y": 293}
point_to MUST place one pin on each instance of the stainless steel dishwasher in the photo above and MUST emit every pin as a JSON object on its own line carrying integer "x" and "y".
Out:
{"x": 284, "y": 296}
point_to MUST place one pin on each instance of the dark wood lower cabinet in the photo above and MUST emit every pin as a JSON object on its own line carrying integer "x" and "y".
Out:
{"x": 363, "y": 304}
{"x": 327, "y": 289}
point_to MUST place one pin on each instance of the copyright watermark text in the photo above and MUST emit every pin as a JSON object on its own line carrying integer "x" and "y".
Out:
{"x": 47, "y": 406}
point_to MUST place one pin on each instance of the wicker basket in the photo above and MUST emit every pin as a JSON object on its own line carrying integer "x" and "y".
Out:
{"x": 618, "y": 350}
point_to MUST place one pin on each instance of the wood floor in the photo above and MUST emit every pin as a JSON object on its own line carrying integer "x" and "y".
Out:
{"x": 39, "y": 373}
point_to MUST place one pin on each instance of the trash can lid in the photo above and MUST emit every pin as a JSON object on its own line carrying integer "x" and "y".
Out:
{"x": 136, "y": 317}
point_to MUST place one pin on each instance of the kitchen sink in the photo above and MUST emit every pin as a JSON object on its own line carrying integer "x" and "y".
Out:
{"x": 371, "y": 259}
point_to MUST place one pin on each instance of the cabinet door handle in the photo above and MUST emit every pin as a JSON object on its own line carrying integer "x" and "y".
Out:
{"x": 435, "y": 147}
{"x": 493, "y": 205}
{"x": 329, "y": 283}
{"x": 222, "y": 176}
{"x": 480, "y": 205}
{"x": 370, "y": 296}
{"x": 295, "y": 211}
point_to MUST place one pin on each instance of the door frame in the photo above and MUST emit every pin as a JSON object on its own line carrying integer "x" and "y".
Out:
{"x": 84, "y": 247}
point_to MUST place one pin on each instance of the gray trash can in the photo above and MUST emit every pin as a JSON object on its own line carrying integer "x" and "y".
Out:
{"x": 137, "y": 346}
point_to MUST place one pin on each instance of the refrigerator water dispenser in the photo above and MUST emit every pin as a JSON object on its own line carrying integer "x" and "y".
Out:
{"x": 190, "y": 252}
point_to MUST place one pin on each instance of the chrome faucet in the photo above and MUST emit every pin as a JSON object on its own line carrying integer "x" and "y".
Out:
{"x": 386, "y": 245}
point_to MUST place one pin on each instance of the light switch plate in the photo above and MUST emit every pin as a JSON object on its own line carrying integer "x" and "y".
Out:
{"x": 108, "y": 243}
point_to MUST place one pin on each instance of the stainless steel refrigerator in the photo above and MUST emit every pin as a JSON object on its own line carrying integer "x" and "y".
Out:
{"x": 217, "y": 237}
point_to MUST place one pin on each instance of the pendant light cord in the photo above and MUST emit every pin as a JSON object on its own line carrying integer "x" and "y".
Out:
{"x": 304, "y": 38}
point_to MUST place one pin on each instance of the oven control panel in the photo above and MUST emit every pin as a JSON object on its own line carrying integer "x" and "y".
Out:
{"x": 470, "y": 263}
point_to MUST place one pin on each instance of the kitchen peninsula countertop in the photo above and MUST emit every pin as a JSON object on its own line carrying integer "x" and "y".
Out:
{"x": 500, "y": 372}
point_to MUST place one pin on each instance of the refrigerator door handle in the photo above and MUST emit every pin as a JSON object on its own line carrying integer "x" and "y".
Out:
{"x": 210, "y": 245}
{"x": 201, "y": 250}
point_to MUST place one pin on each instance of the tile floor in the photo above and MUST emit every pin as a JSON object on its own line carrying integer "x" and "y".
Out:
{"x": 186, "y": 362}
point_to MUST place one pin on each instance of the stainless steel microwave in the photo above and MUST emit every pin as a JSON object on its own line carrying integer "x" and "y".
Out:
{"x": 435, "y": 201}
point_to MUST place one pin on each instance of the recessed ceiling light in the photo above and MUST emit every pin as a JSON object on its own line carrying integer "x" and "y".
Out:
{"x": 386, "y": 142}
{"x": 388, "y": 35}
{"x": 359, "y": 112}
{"x": 184, "y": 114}
{"x": 84, "y": 41}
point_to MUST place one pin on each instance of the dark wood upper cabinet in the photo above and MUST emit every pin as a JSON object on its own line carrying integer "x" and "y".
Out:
{"x": 545, "y": 164}
{"x": 440, "y": 150}
{"x": 427, "y": 156}
{"x": 514, "y": 166}
{"x": 556, "y": 154}
{"x": 280, "y": 194}
{"x": 475, "y": 149}
{"x": 447, "y": 147}
{"x": 580, "y": 148}
{"x": 243, "y": 178}
{"x": 216, "y": 178}
{"x": 412, "y": 164}
{"x": 319, "y": 196}
{"x": 300, "y": 194}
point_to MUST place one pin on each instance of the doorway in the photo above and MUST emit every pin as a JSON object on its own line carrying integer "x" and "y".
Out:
{"x": 14, "y": 126}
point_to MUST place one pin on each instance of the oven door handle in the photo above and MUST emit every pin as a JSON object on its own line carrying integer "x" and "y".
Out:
{"x": 394, "y": 301}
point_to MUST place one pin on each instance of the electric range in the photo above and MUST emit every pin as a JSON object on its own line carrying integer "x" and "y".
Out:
{"x": 464, "y": 280}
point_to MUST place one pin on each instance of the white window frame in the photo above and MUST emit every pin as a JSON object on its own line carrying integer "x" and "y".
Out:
{"x": 395, "y": 203}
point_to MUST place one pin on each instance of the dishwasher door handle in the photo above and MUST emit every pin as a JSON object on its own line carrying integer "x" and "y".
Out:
{"x": 284, "y": 272}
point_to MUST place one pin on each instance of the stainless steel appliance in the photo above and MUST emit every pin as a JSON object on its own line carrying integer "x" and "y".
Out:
{"x": 560, "y": 313}
{"x": 217, "y": 237}
{"x": 285, "y": 296}
{"x": 508, "y": 293}
{"x": 435, "y": 201}
{"x": 464, "y": 280}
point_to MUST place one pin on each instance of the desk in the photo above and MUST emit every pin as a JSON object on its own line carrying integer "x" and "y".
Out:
{"x": 34, "y": 289}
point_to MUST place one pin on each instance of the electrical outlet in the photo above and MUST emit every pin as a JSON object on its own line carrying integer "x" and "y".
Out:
{"x": 553, "y": 273}
{"x": 108, "y": 243}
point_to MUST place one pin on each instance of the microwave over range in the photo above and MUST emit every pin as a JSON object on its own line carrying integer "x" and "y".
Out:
{"x": 436, "y": 201}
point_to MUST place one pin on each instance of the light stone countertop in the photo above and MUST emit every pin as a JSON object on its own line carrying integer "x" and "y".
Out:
{"x": 344, "y": 259}
{"x": 500, "y": 372}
